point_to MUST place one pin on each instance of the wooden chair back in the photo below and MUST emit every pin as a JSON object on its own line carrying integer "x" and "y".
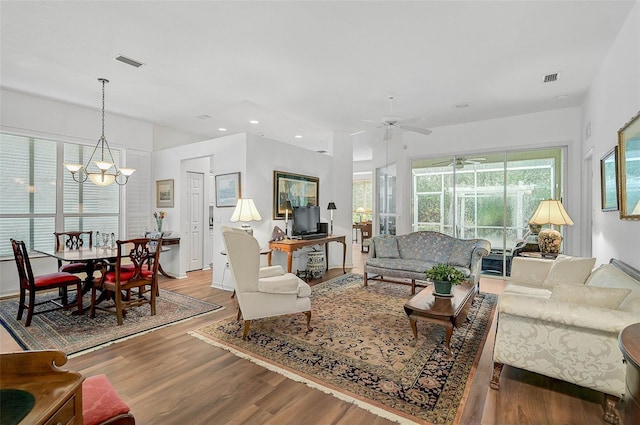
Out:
{"x": 73, "y": 240}
{"x": 25, "y": 272}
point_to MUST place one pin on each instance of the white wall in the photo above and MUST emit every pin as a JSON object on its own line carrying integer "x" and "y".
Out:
{"x": 613, "y": 100}
{"x": 544, "y": 129}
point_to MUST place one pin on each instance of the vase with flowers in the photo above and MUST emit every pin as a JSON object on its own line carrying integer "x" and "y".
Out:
{"x": 159, "y": 216}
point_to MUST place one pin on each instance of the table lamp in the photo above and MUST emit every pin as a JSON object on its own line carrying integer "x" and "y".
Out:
{"x": 360, "y": 210}
{"x": 550, "y": 212}
{"x": 287, "y": 208}
{"x": 331, "y": 207}
{"x": 245, "y": 211}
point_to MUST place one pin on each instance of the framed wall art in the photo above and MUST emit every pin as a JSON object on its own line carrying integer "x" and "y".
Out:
{"x": 629, "y": 169}
{"x": 164, "y": 193}
{"x": 298, "y": 189}
{"x": 227, "y": 190}
{"x": 609, "y": 180}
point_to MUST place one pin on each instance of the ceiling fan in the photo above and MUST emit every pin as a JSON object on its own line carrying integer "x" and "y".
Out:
{"x": 460, "y": 162}
{"x": 393, "y": 122}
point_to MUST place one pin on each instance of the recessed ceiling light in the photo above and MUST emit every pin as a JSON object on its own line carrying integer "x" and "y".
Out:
{"x": 254, "y": 122}
{"x": 222, "y": 129}
{"x": 298, "y": 136}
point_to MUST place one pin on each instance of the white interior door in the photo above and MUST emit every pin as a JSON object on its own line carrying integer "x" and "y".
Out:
{"x": 196, "y": 220}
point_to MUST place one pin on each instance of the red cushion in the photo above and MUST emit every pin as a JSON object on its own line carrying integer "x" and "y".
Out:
{"x": 145, "y": 269}
{"x": 55, "y": 279}
{"x": 100, "y": 401}
{"x": 124, "y": 275}
{"x": 74, "y": 268}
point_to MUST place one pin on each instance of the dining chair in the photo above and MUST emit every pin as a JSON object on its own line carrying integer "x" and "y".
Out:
{"x": 45, "y": 282}
{"x": 136, "y": 266}
{"x": 73, "y": 240}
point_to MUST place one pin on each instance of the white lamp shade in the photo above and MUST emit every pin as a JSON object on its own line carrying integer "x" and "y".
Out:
{"x": 74, "y": 168}
{"x": 245, "y": 211}
{"x": 127, "y": 171}
{"x": 551, "y": 212}
{"x": 102, "y": 179}
{"x": 360, "y": 210}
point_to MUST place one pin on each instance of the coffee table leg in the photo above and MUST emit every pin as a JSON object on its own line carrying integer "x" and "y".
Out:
{"x": 448, "y": 328}
{"x": 414, "y": 327}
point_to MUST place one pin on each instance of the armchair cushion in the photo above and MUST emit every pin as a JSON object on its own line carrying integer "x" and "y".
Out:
{"x": 270, "y": 271}
{"x": 285, "y": 284}
{"x": 569, "y": 269}
{"x": 589, "y": 295}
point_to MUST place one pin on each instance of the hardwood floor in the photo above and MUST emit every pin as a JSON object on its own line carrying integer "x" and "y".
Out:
{"x": 170, "y": 377}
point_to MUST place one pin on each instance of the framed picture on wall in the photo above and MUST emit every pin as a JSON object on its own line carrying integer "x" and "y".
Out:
{"x": 300, "y": 190}
{"x": 629, "y": 169}
{"x": 227, "y": 190}
{"x": 609, "y": 180}
{"x": 164, "y": 193}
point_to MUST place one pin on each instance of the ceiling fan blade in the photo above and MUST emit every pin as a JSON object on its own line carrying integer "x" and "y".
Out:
{"x": 358, "y": 132}
{"x": 414, "y": 129}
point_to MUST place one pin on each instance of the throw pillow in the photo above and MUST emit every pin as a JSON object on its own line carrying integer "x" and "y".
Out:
{"x": 386, "y": 247}
{"x": 593, "y": 296}
{"x": 566, "y": 269}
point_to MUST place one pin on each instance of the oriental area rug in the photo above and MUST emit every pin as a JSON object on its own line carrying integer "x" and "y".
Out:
{"x": 362, "y": 350}
{"x": 73, "y": 334}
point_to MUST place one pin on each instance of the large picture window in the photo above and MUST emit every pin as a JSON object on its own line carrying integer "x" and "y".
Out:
{"x": 33, "y": 206}
{"x": 489, "y": 196}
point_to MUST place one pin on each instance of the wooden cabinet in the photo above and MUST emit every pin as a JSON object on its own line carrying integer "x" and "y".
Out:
{"x": 57, "y": 393}
{"x": 630, "y": 347}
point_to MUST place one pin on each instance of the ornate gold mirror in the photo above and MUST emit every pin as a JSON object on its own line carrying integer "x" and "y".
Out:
{"x": 629, "y": 169}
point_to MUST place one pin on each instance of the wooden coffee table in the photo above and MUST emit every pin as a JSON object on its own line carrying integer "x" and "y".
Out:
{"x": 449, "y": 312}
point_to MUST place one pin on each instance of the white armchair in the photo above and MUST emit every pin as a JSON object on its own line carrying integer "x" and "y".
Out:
{"x": 262, "y": 292}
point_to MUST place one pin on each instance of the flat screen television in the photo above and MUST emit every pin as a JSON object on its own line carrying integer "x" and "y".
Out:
{"x": 305, "y": 220}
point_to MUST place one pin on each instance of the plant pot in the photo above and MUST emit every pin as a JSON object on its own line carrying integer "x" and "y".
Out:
{"x": 442, "y": 288}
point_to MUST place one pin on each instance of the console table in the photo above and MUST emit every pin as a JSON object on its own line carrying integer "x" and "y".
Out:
{"x": 291, "y": 245}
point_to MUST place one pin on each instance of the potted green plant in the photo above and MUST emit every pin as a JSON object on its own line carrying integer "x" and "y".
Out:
{"x": 444, "y": 276}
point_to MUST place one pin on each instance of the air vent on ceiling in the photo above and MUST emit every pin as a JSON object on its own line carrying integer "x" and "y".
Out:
{"x": 321, "y": 151}
{"x": 128, "y": 61}
{"x": 551, "y": 78}
{"x": 203, "y": 117}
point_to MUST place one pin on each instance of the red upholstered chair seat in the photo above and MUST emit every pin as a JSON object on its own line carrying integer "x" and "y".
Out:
{"x": 101, "y": 402}
{"x": 73, "y": 268}
{"x": 54, "y": 280}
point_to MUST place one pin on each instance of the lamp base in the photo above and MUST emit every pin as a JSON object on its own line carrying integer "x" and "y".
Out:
{"x": 549, "y": 241}
{"x": 247, "y": 229}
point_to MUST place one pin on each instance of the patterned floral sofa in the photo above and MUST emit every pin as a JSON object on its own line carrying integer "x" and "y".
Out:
{"x": 409, "y": 256}
{"x": 562, "y": 319}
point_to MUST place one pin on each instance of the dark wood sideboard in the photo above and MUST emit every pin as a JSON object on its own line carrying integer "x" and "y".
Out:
{"x": 630, "y": 346}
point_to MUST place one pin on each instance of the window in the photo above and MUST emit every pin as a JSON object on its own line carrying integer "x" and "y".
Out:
{"x": 33, "y": 208}
{"x": 362, "y": 199}
{"x": 487, "y": 196}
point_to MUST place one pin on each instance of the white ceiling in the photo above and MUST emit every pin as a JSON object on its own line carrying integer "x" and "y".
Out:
{"x": 308, "y": 68}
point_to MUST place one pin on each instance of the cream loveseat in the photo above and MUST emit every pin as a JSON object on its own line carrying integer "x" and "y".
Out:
{"x": 561, "y": 319}
{"x": 409, "y": 256}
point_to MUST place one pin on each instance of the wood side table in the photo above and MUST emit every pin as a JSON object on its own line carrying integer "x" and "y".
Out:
{"x": 629, "y": 341}
{"x": 449, "y": 312}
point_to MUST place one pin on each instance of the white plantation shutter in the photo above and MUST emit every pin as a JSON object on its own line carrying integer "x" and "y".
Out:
{"x": 138, "y": 194}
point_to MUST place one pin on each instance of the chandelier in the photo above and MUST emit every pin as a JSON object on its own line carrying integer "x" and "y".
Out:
{"x": 101, "y": 177}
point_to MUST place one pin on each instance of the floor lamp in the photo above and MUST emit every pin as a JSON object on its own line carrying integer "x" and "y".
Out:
{"x": 331, "y": 207}
{"x": 550, "y": 212}
{"x": 245, "y": 211}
